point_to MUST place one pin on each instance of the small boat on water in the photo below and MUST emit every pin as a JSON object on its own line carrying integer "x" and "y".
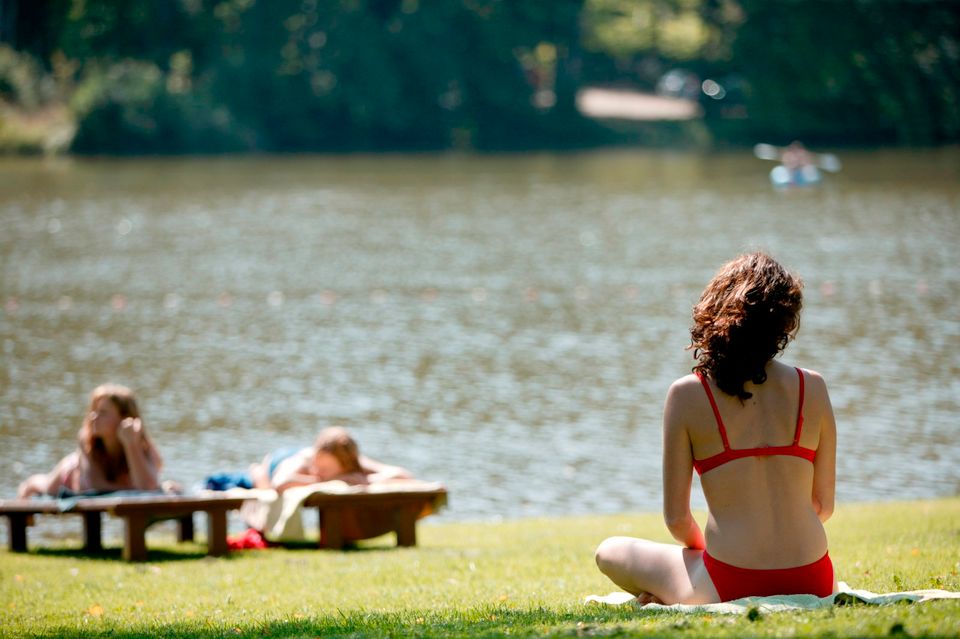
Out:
{"x": 798, "y": 166}
{"x": 802, "y": 176}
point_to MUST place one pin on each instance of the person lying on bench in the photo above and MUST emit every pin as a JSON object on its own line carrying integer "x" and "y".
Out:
{"x": 114, "y": 451}
{"x": 334, "y": 455}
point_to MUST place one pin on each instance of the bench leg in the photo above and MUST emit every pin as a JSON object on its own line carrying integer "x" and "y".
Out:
{"x": 185, "y": 528}
{"x": 17, "y": 523}
{"x": 405, "y": 520}
{"x": 216, "y": 533}
{"x": 135, "y": 537}
{"x": 91, "y": 532}
{"x": 331, "y": 528}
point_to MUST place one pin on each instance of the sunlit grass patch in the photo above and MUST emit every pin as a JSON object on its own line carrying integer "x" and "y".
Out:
{"x": 517, "y": 578}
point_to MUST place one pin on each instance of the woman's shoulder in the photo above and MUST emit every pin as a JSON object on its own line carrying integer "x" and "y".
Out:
{"x": 814, "y": 387}
{"x": 815, "y": 390}
{"x": 290, "y": 459}
{"x": 683, "y": 396}
{"x": 812, "y": 380}
{"x": 685, "y": 386}
{"x": 70, "y": 461}
{"x": 284, "y": 452}
{"x": 66, "y": 472}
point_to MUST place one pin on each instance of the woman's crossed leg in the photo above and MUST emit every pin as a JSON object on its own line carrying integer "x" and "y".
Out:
{"x": 656, "y": 572}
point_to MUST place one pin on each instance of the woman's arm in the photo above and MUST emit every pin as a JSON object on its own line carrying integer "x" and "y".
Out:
{"x": 34, "y": 485}
{"x": 354, "y": 479}
{"x": 49, "y": 483}
{"x": 378, "y": 471}
{"x": 260, "y": 474}
{"x": 825, "y": 463}
{"x": 143, "y": 459}
{"x": 299, "y": 479}
{"x": 678, "y": 472}
{"x": 293, "y": 471}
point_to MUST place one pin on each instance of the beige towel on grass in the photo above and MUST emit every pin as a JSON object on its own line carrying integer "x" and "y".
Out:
{"x": 845, "y": 596}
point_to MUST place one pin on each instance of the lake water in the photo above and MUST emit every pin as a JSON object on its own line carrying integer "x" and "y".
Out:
{"x": 505, "y": 324}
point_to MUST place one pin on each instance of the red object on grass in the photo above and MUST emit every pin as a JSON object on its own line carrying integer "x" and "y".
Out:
{"x": 249, "y": 540}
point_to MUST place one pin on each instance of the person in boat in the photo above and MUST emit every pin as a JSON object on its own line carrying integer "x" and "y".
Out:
{"x": 795, "y": 156}
{"x": 114, "y": 451}
{"x": 762, "y": 436}
{"x": 800, "y": 165}
{"x": 334, "y": 455}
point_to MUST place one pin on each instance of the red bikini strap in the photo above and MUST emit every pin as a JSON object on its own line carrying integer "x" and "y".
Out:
{"x": 716, "y": 411}
{"x": 799, "y": 430}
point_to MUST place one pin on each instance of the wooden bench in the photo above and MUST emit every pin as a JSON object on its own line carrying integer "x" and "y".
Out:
{"x": 138, "y": 513}
{"x": 365, "y": 514}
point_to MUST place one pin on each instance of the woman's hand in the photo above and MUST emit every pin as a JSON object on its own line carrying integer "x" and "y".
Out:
{"x": 33, "y": 485}
{"x": 354, "y": 479}
{"x": 260, "y": 475}
{"x": 372, "y": 468}
{"x": 142, "y": 458}
{"x": 130, "y": 431}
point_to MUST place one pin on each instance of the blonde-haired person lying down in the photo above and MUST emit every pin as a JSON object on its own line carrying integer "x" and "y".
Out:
{"x": 334, "y": 455}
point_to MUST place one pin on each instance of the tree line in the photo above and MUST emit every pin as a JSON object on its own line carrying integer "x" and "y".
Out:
{"x": 182, "y": 76}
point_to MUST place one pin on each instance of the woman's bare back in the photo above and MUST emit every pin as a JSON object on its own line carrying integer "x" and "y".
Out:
{"x": 761, "y": 511}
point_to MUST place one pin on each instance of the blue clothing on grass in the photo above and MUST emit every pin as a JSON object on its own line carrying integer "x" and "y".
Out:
{"x": 227, "y": 480}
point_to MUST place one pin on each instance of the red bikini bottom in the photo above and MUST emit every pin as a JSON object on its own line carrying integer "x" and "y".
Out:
{"x": 732, "y": 582}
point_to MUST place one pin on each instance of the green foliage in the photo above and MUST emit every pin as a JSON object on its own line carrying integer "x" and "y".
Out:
{"x": 23, "y": 82}
{"x": 390, "y": 74}
{"x": 525, "y": 578}
{"x": 857, "y": 72}
{"x": 294, "y": 75}
{"x": 134, "y": 106}
{"x": 303, "y": 75}
{"x": 672, "y": 29}
{"x": 32, "y": 120}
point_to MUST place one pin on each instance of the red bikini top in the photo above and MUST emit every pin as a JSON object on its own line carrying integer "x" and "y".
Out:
{"x": 729, "y": 454}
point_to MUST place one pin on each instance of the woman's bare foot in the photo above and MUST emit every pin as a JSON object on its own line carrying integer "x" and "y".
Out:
{"x": 645, "y": 598}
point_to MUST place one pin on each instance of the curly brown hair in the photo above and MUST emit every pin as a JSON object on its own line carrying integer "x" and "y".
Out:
{"x": 746, "y": 316}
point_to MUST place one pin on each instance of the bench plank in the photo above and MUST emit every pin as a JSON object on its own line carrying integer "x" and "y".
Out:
{"x": 18, "y": 531}
{"x": 185, "y": 528}
{"x": 138, "y": 513}
{"x": 92, "y": 537}
{"x": 402, "y": 507}
{"x": 217, "y": 532}
{"x": 135, "y": 537}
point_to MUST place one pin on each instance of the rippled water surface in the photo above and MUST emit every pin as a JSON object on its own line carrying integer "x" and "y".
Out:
{"x": 506, "y": 324}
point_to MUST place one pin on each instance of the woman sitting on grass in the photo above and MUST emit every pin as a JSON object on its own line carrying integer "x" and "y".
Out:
{"x": 334, "y": 455}
{"x": 761, "y": 435}
{"x": 114, "y": 451}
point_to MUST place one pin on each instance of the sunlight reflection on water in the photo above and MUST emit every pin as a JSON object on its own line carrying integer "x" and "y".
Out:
{"x": 508, "y": 325}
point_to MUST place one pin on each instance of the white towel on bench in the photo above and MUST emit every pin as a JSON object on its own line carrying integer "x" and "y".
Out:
{"x": 278, "y": 515}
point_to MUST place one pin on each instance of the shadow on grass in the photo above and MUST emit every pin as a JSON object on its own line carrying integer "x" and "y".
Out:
{"x": 195, "y": 551}
{"x": 187, "y": 551}
{"x": 498, "y": 621}
{"x": 480, "y": 622}
{"x": 362, "y": 546}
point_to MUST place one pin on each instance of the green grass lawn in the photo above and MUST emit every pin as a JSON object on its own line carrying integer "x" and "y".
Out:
{"x": 525, "y": 578}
